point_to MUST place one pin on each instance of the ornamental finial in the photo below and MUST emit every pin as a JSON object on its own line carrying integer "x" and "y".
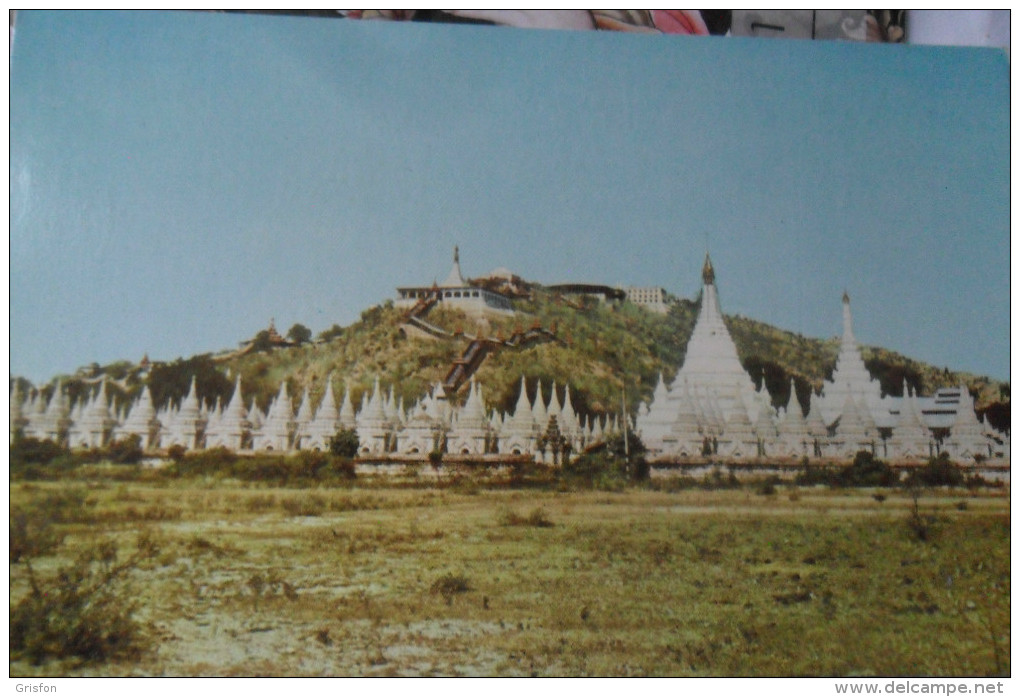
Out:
{"x": 707, "y": 272}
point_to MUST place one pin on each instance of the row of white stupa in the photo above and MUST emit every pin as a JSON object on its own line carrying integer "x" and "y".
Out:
{"x": 382, "y": 424}
{"x": 713, "y": 407}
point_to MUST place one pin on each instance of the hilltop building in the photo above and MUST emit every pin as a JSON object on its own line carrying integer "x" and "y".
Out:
{"x": 270, "y": 339}
{"x": 456, "y": 292}
{"x": 652, "y": 299}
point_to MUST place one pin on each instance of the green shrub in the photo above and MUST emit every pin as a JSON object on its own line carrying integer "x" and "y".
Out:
{"x": 71, "y": 505}
{"x": 126, "y": 451}
{"x": 866, "y": 470}
{"x": 975, "y": 481}
{"x": 339, "y": 468}
{"x": 673, "y": 483}
{"x": 640, "y": 469}
{"x": 301, "y": 468}
{"x": 450, "y": 585}
{"x": 345, "y": 443}
{"x": 214, "y": 461}
{"x": 922, "y": 527}
{"x": 308, "y": 464}
{"x": 261, "y": 468}
{"x": 629, "y": 446}
{"x": 82, "y": 611}
{"x": 31, "y": 535}
{"x": 715, "y": 480}
{"x": 601, "y": 470}
{"x": 813, "y": 475}
{"x": 33, "y": 459}
{"x": 940, "y": 471}
{"x": 611, "y": 466}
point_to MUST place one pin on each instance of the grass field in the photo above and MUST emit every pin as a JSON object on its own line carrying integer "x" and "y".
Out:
{"x": 380, "y": 580}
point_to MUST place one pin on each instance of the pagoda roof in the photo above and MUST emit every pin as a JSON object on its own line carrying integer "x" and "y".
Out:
{"x": 454, "y": 279}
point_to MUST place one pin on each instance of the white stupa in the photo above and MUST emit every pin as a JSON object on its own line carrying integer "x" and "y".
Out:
{"x": 712, "y": 395}
{"x": 319, "y": 431}
{"x": 520, "y": 431}
{"x": 911, "y": 439}
{"x": 141, "y": 421}
{"x": 373, "y": 425}
{"x": 232, "y": 429}
{"x": 470, "y": 431}
{"x": 277, "y": 431}
{"x": 851, "y": 377}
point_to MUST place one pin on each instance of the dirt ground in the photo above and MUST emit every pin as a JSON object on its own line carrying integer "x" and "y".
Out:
{"x": 420, "y": 581}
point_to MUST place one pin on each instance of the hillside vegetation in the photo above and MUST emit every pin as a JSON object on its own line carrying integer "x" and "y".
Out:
{"x": 605, "y": 353}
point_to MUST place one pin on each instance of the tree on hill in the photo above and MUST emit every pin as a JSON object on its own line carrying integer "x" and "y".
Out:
{"x": 171, "y": 381}
{"x": 891, "y": 376}
{"x": 777, "y": 380}
{"x": 997, "y": 415}
{"x": 596, "y": 352}
{"x": 299, "y": 334}
{"x": 263, "y": 341}
{"x": 78, "y": 389}
{"x": 333, "y": 332}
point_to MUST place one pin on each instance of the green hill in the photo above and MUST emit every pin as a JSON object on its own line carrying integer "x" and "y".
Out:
{"x": 602, "y": 351}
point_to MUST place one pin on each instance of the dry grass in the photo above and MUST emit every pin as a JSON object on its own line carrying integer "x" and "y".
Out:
{"x": 538, "y": 518}
{"x": 395, "y": 582}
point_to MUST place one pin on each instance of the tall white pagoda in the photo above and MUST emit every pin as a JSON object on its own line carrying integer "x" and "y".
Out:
{"x": 851, "y": 378}
{"x": 712, "y": 398}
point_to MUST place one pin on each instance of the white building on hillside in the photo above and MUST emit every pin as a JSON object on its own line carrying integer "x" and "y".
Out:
{"x": 455, "y": 292}
{"x": 652, "y": 299}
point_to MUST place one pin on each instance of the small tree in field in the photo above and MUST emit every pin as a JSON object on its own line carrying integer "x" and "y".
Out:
{"x": 125, "y": 451}
{"x": 345, "y": 443}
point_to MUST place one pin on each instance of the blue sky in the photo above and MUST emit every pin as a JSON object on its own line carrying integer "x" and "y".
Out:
{"x": 177, "y": 179}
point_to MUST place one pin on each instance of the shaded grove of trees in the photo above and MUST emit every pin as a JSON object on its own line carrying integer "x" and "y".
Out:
{"x": 171, "y": 381}
{"x": 777, "y": 381}
{"x": 997, "y": 415}
{"x": 78, "y": 390}
{"x": 892, "y": 375}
